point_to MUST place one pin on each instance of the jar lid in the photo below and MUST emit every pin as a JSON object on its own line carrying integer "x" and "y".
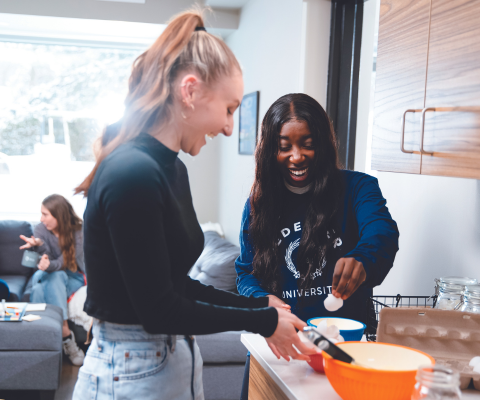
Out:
{"x": 458, "y": 280}
{"x": 472, "y": 290}
{"x": 455, "y": 284}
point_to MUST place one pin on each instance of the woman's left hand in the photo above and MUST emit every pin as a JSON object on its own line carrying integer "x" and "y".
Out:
{"x": 44, "y": 263}
{"x": 348, "y": 275}
{"x": 274, "y": 301}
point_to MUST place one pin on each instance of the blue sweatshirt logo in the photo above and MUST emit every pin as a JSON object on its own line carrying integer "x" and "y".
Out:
{"x": 294, "y": 245}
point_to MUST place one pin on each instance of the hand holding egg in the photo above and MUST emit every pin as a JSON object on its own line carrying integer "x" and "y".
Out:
{"x": 348, "y": 275}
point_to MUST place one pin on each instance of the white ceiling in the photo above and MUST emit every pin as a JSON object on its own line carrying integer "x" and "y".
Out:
{"x": 61, "y": 30}
{"x": 36, "y": 28}
{"x": 226, "y": 3}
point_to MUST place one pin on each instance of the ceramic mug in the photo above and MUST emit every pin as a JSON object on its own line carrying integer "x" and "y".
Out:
{"x": 30, "y": 259}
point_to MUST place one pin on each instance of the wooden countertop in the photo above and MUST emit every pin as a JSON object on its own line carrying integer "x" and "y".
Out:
{"x": 296, "y": 379}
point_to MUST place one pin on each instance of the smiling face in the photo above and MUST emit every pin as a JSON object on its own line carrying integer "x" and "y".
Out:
{"x": 48, "y": 219}
{"x": 296, "y": 153}
{"x": 212, "y": 111}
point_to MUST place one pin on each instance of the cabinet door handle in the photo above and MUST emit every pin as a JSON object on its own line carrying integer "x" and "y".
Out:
{"x": 402, "y": 141}
{"x": 422, "y": 150}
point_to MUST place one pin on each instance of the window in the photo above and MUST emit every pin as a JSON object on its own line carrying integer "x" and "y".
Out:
{"x": 54, "y": 102}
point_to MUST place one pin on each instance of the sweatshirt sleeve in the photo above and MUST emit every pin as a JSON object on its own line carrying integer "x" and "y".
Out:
{"x": 38, "y": 233}
{"x": 56, "y": 264}
{"x": 378, "y": 243}
{"x": 79, "y": 257}
{"x": 209, "y": 294}
{"x": 134, "y": 210}
{"x": 247, "y": 284}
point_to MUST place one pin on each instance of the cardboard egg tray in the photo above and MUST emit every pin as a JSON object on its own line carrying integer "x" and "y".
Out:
{"x": 452, "y": 338}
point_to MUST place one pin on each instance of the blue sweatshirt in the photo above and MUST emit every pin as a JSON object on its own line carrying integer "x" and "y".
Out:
{"x": 363, "y": 229}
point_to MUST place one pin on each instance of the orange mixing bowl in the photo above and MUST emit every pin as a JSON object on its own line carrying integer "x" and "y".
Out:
{"x": 392, "y": 376}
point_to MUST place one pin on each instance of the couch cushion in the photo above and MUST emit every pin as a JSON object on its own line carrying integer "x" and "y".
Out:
{"x": 224, "y": 347}
{"x": 223, "y": 381}
{"x": 29, "y": 370}
{"x": 16, "y": 285}
{"x": 216, "y": 264}
{"x": 44, "y": 334}
{"x": 10, "y": 255}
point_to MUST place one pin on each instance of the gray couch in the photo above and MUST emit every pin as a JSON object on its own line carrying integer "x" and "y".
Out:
{"x": 12, "y": 272}
{"x": 30, "y": 352}
{"x": 223, "y": 365}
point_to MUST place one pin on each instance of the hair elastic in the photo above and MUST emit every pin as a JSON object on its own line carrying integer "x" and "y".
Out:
{"x": 200, "y": 28}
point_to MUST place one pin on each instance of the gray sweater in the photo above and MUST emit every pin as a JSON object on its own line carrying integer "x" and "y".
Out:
{"x": 51, "y": 248}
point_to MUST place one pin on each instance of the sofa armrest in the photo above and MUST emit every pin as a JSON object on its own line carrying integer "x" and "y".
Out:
{"x": 224, "y": 347}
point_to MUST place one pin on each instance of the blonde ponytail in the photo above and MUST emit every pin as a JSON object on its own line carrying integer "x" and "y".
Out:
{"x": 150, "y": 97}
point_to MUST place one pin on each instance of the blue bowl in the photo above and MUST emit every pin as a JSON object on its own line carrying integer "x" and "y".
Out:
{"x": 351, "y": 330}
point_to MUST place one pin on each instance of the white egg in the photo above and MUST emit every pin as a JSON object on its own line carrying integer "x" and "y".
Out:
{"x": 322, "y": 327}
{"x": 332, "y": 303}
{"x": 475, "y": 362}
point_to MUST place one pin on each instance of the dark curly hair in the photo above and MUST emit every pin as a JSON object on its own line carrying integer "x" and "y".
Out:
{"x": 266, "y": 194}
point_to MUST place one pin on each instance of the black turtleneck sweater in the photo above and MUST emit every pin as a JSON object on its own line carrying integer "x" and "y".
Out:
{"x": 141, "y": 237}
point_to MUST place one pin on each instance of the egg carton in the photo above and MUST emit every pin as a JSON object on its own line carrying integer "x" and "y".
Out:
{"x": 452, "y": 338}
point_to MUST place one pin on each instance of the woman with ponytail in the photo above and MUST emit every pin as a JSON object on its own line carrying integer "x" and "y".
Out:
{"x": 142, "y": 235}
{"x": 59, "y": 239}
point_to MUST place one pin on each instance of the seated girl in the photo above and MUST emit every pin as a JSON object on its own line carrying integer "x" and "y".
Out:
{"x": 59, "y": 239}
{"x": 311, "y": 228}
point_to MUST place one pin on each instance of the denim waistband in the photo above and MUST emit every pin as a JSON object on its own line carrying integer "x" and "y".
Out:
{"x": 120, "y": 332}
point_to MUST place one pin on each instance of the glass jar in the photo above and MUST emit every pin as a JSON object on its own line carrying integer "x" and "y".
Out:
{"x": 471, "y": 299}
{"x": 450, "y": 290}
{"x": 436, "y": 383}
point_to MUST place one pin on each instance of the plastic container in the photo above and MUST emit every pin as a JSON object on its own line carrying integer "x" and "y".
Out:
{"x": 395, "y": 382}
{"x": 351, "y": 330}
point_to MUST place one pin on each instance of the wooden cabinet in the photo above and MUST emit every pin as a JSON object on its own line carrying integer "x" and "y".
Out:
{"x": 428, "y": 75}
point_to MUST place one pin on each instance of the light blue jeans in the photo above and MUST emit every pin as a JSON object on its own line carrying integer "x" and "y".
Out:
{"x": 55, "y": 287}
{"x": 124, "y": 362}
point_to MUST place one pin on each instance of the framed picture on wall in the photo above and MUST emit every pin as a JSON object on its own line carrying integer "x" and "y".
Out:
{"x": 248, "y": 123}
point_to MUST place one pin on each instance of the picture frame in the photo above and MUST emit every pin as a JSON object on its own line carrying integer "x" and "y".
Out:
{"x": 248, "y": 123}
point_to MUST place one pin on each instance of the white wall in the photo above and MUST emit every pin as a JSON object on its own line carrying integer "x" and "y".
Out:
{"x": 438, "y": 217}
{"x": 366, "y": 87}
{"x": 203, "y": 176}
{"x": 268, "y": 44}
{"x": 439, "y": 223}
{"x": 315, "y": 49}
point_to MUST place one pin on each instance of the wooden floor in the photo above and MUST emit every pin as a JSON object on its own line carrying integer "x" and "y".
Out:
{"x": 67, "y": 381}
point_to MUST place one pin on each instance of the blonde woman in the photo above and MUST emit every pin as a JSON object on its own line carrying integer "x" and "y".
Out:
{"x": 142, "y": 235}
{"x": 61, "y": 268}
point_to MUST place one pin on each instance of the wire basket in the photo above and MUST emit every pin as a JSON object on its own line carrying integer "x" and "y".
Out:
{"x": 376, "y": 303}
